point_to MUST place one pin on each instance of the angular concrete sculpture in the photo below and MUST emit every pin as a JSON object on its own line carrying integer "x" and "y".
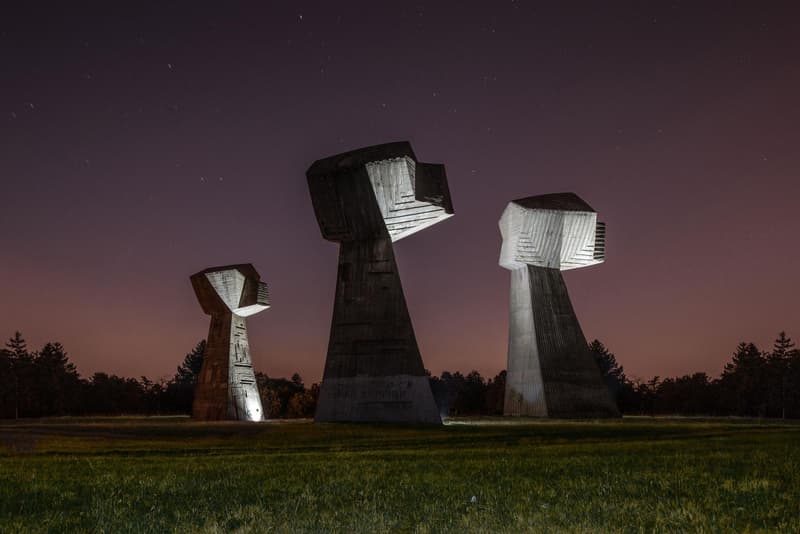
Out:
{"x": 365, "y": 200}
{"x": 226, "y": 387}
{"x": 551, "y": 372}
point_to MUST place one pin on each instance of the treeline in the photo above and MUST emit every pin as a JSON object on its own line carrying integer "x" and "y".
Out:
{"x": 754, "y": 383}
{"x": 45, "y": 383}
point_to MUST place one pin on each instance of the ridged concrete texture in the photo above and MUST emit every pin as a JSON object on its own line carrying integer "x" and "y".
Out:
{"x": 365, "y": 200}
{"x": 226, "y": 387}
{"x": 550, "y": 370}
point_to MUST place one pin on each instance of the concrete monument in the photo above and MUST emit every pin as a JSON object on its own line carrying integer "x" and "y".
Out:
{"x": 551, "y": 372}
{"x": 365, "y": 200}
{"x": 226, "y": 387}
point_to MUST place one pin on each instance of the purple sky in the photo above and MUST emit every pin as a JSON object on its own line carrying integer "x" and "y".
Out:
{"x": 140, "y": 145}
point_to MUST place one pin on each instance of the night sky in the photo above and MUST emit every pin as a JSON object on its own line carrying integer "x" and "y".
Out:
{"x": 139, "y": 145}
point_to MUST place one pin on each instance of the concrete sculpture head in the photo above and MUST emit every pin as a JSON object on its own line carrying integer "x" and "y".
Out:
{"x": 226, "y": 387}
{"x": 234, "y": 288}
{"x": 400, "y": 195}
{"x": 366, "y": 199}
{"x": 550, "y": 370}
{"x": 556, "y": 231}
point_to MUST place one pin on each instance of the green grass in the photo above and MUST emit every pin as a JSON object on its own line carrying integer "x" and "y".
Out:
{"x": 487, "y": 475}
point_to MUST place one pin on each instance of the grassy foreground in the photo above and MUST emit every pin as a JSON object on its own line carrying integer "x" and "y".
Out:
{"x": 486, "y": 475}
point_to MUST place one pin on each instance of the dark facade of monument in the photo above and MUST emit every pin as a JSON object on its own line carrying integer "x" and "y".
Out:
{"x": 365, "y": 200}
{"x": 226, "y": 387}
{"x": 551, "y": 372}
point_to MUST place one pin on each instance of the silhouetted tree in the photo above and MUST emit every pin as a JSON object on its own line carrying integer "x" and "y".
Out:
{"x": 153, "y": 395}
{"x": 56, "y": 381}
{"x": 440, "y": 393}
{"x": 302, "y": 403}
{"x": 45, "y": 382}
{"x": 22, "y": 375}
{"x": 189, "y": 369}
{"x": 647, "y": 393}
{"x": 277, "y": 393}
{"x": 7, "y": 385}
{"x": 179, "y": 392}
{"x": 313, "y": 398}
{"x": 471, "y": 396}
{"x": 792, "y": 389}
{"x": 17, "y": 346}
{"x": 113, "y": 395}
{"x": 621, "y": 389}
{"x": 743, "y": 382}
{"x": 37, "y": 384}
{"x": 495, "y": 394}
{"x": 688, "y": 395}
{"x": 453, "y": 383}
{"x": 778, "y": 375}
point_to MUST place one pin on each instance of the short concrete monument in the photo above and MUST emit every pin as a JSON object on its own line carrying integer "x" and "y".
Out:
{"x": 226, "y": 387}
{"x": 366, "y": 200}
{"x": 551, "y": 372}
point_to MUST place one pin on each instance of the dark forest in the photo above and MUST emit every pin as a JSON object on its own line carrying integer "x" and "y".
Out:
{"x": 45, "y": 383}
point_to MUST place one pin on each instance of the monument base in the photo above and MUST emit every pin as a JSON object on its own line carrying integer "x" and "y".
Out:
{"x": 226, "y": 388}
{"x": 551, "y": 372}
{"x": 393, "y": 399}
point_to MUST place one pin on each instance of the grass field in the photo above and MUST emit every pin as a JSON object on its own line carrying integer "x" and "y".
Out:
{"x": 485, "y": 475}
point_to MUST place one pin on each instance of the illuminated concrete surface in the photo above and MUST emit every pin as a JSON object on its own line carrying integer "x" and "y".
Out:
{"x": 550, "y": 372}
{"x": 365, "y": 200}
{"x": 226, "y": 387}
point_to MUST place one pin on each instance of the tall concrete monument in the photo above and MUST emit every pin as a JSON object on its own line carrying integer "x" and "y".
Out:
{"x": 226, "y": 387}
{"x": 365, "y": 200}
{"x": 551, "y": 372}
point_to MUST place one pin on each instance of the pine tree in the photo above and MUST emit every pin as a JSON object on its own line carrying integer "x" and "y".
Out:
{"x": 22, "y": 372}
{"x": 495, "y": 394}
{"x": 180, "y": 390}
{"x": 783, "y": 346}
{"x": 17, "y": 346}
{"x": 612, "y": 372}
{"x": 57, "y": 380}
{"x": 622, "y": 390}
{"x": 744, "y": 381}
{"x": 189, "y": 370}
{"x": 7, "y": 386}
{"x": 778, "y": 370}
{"x": 791, "y": 378}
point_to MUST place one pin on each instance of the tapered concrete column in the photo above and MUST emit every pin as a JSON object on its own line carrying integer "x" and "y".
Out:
{"x": 365, "y": 200}
{"x": 551, "y": 372}
{"x": 226, "y": 387}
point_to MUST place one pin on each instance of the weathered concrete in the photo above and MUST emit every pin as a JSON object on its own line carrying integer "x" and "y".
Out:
{"x": 365, "y": 200}
{"x": 226, "y": 387}
{"x": 551, "y": 372}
